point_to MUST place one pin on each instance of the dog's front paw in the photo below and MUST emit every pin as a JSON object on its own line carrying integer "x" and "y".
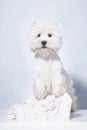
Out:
{"x": 40, "y": 96}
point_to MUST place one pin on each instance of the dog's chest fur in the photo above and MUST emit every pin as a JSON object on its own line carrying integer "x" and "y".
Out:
{"x": 45, "y": 68}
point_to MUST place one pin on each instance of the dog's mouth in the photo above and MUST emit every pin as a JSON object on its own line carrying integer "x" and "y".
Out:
{"x": 44, "y": 47}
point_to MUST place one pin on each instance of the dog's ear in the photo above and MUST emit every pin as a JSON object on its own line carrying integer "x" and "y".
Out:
{"x": 34, "y": 22}
{"x": 56, "y": 24}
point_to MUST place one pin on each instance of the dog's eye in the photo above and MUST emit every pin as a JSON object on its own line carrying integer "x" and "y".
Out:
{"x": 49, "y": 35}
{"x": 39, "y": 35}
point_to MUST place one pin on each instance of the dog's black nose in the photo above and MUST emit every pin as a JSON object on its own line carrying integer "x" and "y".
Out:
{"x": 44, "y": 43}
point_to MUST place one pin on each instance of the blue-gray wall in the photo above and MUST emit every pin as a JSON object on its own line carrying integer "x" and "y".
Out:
{"x": 15, "y": 57}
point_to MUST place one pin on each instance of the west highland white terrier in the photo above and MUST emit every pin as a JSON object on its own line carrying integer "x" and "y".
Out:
{"x": 50, "y": 77}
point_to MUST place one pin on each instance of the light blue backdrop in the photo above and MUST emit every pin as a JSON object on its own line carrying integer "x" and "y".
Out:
{"x": 16, "y": 59}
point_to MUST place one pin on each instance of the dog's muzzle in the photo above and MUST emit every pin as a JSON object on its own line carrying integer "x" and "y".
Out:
{"x": 44, "y": 44}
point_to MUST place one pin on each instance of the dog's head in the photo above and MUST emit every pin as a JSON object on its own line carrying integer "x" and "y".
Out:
{"x": 44, "y": 36}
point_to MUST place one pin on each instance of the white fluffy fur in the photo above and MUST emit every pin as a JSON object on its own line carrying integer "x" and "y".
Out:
{"x": 49, "y": 74}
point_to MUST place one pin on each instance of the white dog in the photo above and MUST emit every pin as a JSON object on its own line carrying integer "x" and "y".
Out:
{"x": 49, "y": 75}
